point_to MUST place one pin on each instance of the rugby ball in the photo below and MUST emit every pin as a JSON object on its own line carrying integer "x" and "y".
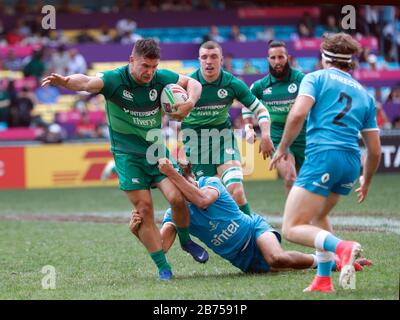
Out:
{"x": 170, "y": 95}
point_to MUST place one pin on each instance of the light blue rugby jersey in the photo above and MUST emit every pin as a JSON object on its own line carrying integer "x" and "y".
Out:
{"x": 342, "y": 108}
{"x": 222, "y": 226}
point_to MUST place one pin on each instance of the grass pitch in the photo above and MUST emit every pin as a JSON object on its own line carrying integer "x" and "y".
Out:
{"x": 104, "y": 261}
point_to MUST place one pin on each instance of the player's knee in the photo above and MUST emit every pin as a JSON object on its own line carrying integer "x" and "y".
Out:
{"x": 176, "y": 199}
{"x": 232, "y": 179}
{"x": 289, "y": 180}
{"x": 237, "y": 193}
{"x": 286, "y": 231}
{"x": 145, "y": 210}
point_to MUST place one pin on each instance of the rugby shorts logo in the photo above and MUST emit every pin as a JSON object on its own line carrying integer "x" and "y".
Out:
{"x": 127, "y": 95}
{"x": 222, "y": 93}
{"x": 153, "y": 94}
{"x": 135, "y": 180}
{"x": 325, "y": 178}
{"x": 268, "y": 91}
{"x": 199, "y": 173}
{"x": 292, "y": 88}
{"x": 347, "y": 185}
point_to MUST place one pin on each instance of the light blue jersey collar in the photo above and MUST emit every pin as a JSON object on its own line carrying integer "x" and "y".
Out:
{"x": 337, "y": 69}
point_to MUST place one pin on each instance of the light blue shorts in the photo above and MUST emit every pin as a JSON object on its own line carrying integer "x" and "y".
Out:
{"x": 251, "y": 258}
{"x": 329, "y": 171}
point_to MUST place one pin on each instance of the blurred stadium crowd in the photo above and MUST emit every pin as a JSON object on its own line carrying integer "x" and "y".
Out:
{"x": 28, "y": 53}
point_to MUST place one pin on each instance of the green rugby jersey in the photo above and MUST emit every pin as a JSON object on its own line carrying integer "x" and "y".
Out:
{"x": 133, "y": 109}
{"x": 212, "y": 109}
{"x": 278, "y": 96}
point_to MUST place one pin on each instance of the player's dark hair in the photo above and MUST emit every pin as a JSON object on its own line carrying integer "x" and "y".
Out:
{"x": 211, "y": 45}
{"x": 186, "y": 168}
{"x": 277, "y": 44}
{"x": 341, "y": 43}
{"x": 147, "y": 48}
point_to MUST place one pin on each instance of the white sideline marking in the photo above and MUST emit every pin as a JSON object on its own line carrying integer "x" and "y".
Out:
{"x": 386, "y": 224}
{"x": 378, "y": 224}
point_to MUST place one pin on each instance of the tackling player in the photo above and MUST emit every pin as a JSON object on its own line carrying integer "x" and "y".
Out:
{"x": 278, "y": 91}
{"x": 247, "y": 241}
{"x": 210, "y": 115}
{"x": 132, "y": 94}
{"x": 338, "y": 108}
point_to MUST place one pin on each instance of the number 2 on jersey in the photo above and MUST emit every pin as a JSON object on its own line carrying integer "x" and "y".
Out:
{"x": 344, "y": 111}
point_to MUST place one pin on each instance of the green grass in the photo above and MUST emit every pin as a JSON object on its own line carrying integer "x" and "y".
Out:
{"x": 264, "y": 196}
{"x": 104, "y": 261}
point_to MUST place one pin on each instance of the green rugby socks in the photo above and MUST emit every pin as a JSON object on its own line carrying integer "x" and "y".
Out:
{"x": 245, "y": 208}
{"x": 183, "y": 234}
{"x": 160, "y": 260}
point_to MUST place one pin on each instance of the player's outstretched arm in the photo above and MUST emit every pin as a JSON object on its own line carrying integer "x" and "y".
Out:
{"x": 373, "y": 144}
{"x": 75, "y": 82}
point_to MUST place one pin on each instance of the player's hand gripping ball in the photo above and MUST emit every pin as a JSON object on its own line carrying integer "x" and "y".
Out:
{"x": 171, "y": 95}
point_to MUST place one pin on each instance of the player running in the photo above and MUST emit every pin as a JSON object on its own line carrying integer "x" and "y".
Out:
{"x": 278, "y": 91}
{"x": 338, "y": 108}
{"x": 208, "y": 139}
{"x": 247, "y": 241}
{"x": 132, "y": 94}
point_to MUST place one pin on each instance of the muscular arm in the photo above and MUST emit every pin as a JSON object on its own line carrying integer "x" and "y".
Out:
{"x": 75, "y": 82}
{"x": 192, "y": 86}
{"x": 201, "y": 198}
{"x": 373, "y": 145}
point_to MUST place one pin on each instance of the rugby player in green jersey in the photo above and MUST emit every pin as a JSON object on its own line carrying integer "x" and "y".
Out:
{"x": 208, "y": 139}
{"x": 132, "y": 94}
{"x": 278, "y": 91}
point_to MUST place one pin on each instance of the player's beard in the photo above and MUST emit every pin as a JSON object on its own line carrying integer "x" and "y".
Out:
{"x": 281, "y": 74}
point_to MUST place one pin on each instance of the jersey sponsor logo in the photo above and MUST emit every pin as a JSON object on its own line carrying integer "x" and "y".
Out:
{"x": 268, "y": 91}
{"x": 153, "y": 94}
{"x": 213, "y": 225}
{"x": 325, "y": 177}
{"x": 211, "y": 107}
{"x": 135, "y": 180}
{"x": 222, "y": 93}
{"x": 292, "y": 88}
{"x": 144, "y": 122}
{"x": 280, "y": 102}
{"x": 142, "y": 113}
{"x": 127, "y": 95}
{"x": 225, "y": 234}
